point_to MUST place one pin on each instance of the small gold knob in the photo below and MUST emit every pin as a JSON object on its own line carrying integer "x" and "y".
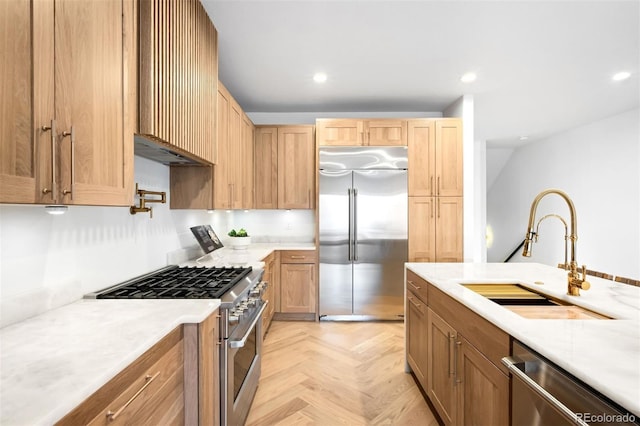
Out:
{"x": 585, "y": 285}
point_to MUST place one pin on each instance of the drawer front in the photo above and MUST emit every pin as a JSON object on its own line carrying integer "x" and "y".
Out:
{"x": 298, "y": 256}
{"x": 150, "y": 390}
{"x": 417, "y": 285}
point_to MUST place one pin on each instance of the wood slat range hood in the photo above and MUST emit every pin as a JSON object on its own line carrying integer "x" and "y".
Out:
{"x": 177, "y": 83}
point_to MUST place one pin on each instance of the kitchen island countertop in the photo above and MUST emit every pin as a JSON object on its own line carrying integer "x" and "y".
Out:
{"x": 602, "y": 353}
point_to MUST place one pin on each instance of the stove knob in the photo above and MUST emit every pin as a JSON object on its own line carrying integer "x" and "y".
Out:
{"x": 233, "y": 319}
{"x": 251, "y": 303}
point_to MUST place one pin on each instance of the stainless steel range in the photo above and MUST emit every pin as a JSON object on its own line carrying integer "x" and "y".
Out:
{"x": 240, "y": 291}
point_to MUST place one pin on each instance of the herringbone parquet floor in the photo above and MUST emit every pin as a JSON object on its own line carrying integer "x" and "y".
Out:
{"x": 337, "y": 373}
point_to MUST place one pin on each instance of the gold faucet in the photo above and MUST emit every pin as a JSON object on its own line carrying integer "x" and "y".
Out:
{"x": 142, "y": 194}
{"x": 575, "y": 282}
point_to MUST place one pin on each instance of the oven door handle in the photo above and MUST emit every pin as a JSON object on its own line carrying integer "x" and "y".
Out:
{"x": 512, "y": 364}
{"x": 240, "y": 343}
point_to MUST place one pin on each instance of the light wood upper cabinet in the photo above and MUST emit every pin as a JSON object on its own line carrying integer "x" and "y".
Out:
{"x": 245, "y": 162}
{"x": 24, "y": 50}
{"x": 296, "y": 167}
{"x": 285, "y": 167}
{"x": 448, "y": 158}
{"x": 435, "y": 157}
{"x": 68, "y": 139}
{"x": 229, "y": 183}
{"x": 178, "y": 77}
{"x": 266, "y": 167}
{"x": 355, "y": 132}
{"x": 339, "y": 132}
{"x": 386, "y": 132}
{"x": 435, "y": 229}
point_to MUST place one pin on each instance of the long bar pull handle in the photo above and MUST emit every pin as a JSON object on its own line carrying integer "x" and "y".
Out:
{"x": 349, "y": 191}
{"x": 71, "y": 133}
{"x": 432, "y": 207}
{"x": 148, "y": 380}
{"x": 512, "y": 364}
{"x": 54, "y": 183}
{"x": 416, "y": 304}
{"x": 431, "y": 185}
{"x": 438, "y": 208}
{"x": 412, "y": 284}
{"x": 240, "y": 343}
{"x": 456, "y": 349}
{"x": 438, "y": 186}
{"x": 355, "y": 224}
{"x": 450, "y": 352}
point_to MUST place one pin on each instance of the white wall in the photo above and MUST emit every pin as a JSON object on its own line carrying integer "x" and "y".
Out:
{"x": 598, "y": 166}
{"x": 473, "y": 180}
{"x": 47, "y": 261}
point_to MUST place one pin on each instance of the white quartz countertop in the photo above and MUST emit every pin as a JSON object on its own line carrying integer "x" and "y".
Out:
{"x": 251, "y": 256}
{"x": 603, "y": 353}
{"x": 51, "y": 363}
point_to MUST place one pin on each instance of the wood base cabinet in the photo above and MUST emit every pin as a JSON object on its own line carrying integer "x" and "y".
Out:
{"x": 271, "y": 277}
{"x": 416, "y": 341}
{"x": 465, "y": 381}
{"x": 298, "y": 284}
{"x": 149, "y": 391}
{"x": 67, "y": 108}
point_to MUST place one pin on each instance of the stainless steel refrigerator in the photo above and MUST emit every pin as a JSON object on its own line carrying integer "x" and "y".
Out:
{"x": 363, "y": 232}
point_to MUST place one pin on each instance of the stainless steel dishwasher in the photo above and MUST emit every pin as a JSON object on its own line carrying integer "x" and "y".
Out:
{"x": 543, "y": 394}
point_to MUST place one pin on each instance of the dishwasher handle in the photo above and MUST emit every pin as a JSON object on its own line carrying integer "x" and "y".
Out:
{"x": 512, "y": 364}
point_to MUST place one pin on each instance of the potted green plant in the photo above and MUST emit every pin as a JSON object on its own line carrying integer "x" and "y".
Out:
{"x": 240, "y": 239}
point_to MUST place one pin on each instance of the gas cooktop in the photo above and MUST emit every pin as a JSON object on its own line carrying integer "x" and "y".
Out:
{"x": 174, "y": 282}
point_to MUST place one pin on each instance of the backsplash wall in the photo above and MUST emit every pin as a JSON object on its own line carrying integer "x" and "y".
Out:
{"x": 47, "y": 261}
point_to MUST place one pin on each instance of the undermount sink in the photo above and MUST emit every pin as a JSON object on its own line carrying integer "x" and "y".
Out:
{"x": 530, "y": 304}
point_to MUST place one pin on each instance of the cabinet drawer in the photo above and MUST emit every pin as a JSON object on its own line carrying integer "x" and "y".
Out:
{"x": 298, "y": 256}
{"x": 417, "y": 285}
{"x": 149, "y": 391}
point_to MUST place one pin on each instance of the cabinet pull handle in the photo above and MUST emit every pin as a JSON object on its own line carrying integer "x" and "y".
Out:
{"x": 296, "y": 257}
{"x": 412, "y": 284}
{"x": 451, "y": 340}
{"x": 54, "y": 184}
{"x": 438, "y": 208}
{"x": 148, "y": 379}
{"x": 432, "y": 207}
{"x": 416, "y": 304}
{"x": 431, "y": 185}
{"x": 438, "y": 186}
{"x": 456, "y": 348}
{"x": 71, "y": 133}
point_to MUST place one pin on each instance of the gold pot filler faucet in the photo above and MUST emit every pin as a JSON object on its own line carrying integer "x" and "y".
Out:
{"x": 574, "y": 280}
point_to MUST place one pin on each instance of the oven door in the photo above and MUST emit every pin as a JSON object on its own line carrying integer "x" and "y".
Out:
{"x": 243, "y": 369}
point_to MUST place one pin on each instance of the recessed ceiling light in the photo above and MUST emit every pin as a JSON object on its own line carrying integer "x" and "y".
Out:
{"x": 320, "y": 77}
{"x": 623, "y": 75}
{"x": 468, "y": 77}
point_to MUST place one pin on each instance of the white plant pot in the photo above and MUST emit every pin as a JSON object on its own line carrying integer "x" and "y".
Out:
{"x": 240, "y": 243}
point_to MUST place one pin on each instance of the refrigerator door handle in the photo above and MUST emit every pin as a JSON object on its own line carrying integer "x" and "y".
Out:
{"x": 349, "y": 191}
{"x": 355, "y": 224}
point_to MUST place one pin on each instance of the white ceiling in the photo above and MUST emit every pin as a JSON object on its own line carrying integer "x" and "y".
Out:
{"x": 542, "y": 66}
